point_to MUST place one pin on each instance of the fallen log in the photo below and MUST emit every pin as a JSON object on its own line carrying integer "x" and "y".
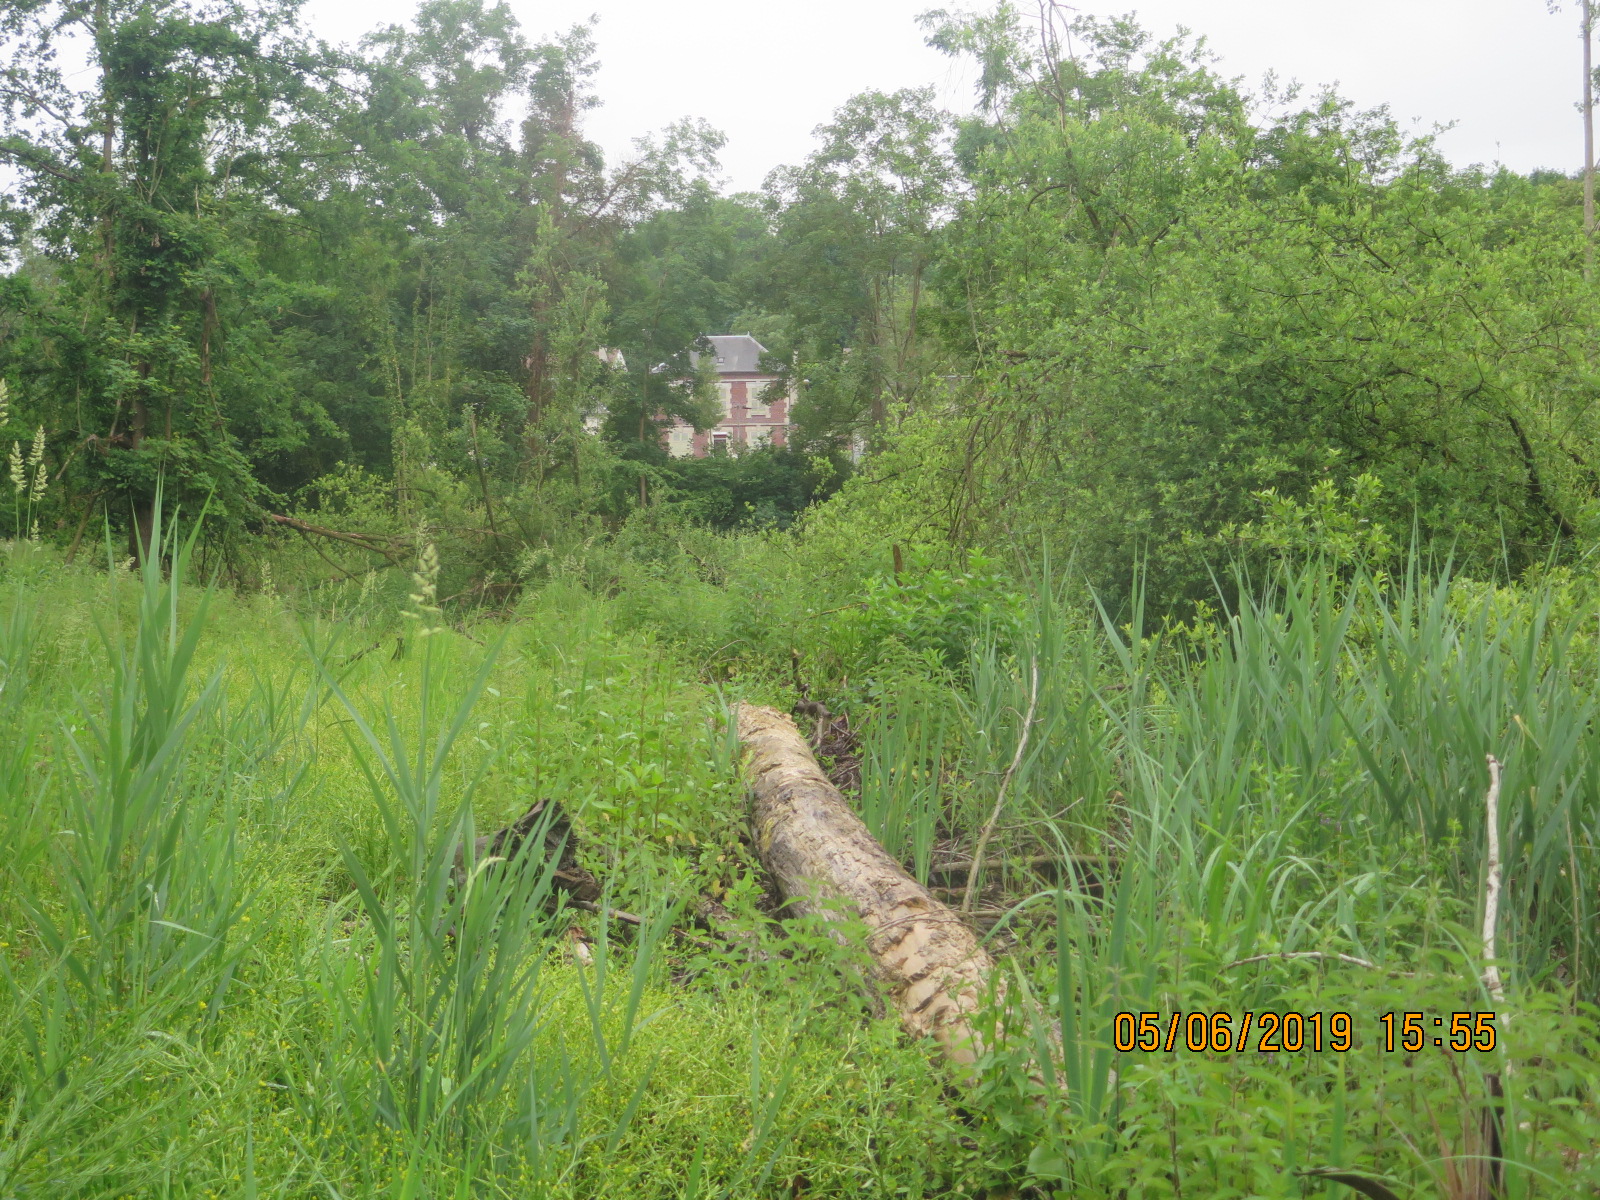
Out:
{"x": 826, "y": 863}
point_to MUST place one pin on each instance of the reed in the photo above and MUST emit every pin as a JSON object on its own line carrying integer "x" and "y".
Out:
{"x": 1275, "y": 796}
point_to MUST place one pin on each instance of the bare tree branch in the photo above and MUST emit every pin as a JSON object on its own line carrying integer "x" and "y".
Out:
{"x": 1000, "y": 800}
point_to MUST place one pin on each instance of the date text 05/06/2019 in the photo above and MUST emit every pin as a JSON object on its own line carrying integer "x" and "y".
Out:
{"x": 1296, "y": 1033}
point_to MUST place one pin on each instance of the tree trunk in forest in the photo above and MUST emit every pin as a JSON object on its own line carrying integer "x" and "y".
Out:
{"x": 141, "y": 527}
{"x": 1588, "y": 139}
{"x": 827, "y": 863}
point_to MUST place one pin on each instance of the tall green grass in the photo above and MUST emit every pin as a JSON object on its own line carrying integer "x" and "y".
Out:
{"x": 903, "y": 795}
{"x": 236, "y": 957}
{"x": 1242, "y": 809}
{"x": 239, "y": 957}
{"x": 1323, "y": 722}
{"x": 1298, "y": 779}
{"x": 125, "y": 865}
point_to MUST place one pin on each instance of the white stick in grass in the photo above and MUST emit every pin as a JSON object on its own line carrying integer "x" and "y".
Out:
{"x": 1492, "y": 1162}
{"x": 1000, "y": 801}
{"x": 1491, "y": 887}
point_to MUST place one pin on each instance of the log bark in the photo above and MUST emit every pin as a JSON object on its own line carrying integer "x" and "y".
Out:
{"x": 827, "y": 863}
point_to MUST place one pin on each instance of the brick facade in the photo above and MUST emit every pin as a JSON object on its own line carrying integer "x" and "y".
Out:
{"x": 748, "y": 420}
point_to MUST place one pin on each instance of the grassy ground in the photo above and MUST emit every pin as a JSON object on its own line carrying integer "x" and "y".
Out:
{"x": 237, "y": 962}
{"x": 201, "y": 1001}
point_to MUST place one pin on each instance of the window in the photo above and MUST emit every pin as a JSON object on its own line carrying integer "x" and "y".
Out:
{"x": 754, "y": 404}
{"x": 719, "y": 440}
{"x": 680, "y": 441}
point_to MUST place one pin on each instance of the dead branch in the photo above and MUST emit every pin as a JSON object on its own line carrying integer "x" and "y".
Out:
{"x": 513, "y": 842}
{"x": 1492, "y": 1113}
{"x": 1491, "y": 887}
{"x": 634, "y": 919}
{"x": 374, "y": 543}
{"x": 1005, "y": 784}
{"x": 323, "y": 554}
{"x": 1313, "y": 954}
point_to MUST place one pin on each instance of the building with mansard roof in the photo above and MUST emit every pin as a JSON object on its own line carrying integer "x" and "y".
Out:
{"x": 755, "y": 403}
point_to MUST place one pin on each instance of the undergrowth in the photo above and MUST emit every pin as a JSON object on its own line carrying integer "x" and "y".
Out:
{"x": 249, "y": 951}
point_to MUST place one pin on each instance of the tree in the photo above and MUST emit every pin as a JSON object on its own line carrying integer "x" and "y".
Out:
{"x": 678, "y": 275}
{"x": 1586, "y": 107}
{"x": 1172, "y": 309}
{"x": 856, "y": 234}
{"x": 133, "y": 180}
{"x": 1588, "y": 134}
{"x": 489, "y": 229}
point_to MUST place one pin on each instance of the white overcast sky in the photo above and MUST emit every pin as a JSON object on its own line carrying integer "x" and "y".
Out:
{"x": 767, "y": 72}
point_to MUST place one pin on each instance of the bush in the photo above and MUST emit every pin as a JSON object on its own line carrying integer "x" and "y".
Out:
{"x": 764, "y": 488}
{"x": 936, "y": 613}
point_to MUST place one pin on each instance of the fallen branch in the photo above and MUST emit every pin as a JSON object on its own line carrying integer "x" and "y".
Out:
{"x": 827, "y": 864}
{"x": 1368, "y": 1185}
{"x": 83, "y": 524}
{"x": 634, "y": 919}
{"x": 323, "y": 554}
{"x": 1086, "y": 872}
{"x": 1317, "y": 954}
{"x": 373, "y": 543}
{"x": 1005, "y": 784}
{"x": 512, "y": 844}
{"x": 1082, "y": 862}
{"x": 1491, "y": 887}
{"x": 580, "y": 887}
{"x": 1492, "y": 1113}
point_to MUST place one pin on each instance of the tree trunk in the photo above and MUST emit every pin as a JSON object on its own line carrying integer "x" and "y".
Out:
{"x": 827, "y": 863}
{"x": 1588, "y": 139}
{"x": 141, "y": 529}
{"x": 100, "y": 31}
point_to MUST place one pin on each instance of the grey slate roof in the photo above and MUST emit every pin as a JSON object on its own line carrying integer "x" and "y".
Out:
{"x": 737, "y": 353}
